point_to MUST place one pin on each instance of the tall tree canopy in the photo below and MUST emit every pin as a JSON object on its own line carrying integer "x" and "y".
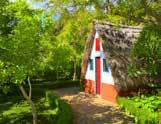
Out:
{"x": 24, "y": 43}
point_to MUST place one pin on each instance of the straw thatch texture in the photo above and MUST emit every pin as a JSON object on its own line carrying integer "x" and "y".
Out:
{"x": 117, "y": 43}
{"x": 87, "y": 52}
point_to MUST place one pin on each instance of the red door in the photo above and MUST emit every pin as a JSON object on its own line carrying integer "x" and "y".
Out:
{"x": 98, "y": 75}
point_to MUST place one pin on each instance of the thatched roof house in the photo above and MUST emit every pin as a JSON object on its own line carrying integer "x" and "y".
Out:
{"x": 116, "y": 42}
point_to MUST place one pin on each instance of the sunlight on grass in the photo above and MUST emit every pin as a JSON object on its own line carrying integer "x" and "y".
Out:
{"x": 17, "y": 109}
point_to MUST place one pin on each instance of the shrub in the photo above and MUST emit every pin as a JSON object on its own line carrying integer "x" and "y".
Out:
{"x": 66, "y": 116}
{"x": 146, "y": 53}
{"x": 52, "y": 100}
{"x": 56, "y": 84}
{"x": 65, "y": 113}
{"x": 143, "y": 108}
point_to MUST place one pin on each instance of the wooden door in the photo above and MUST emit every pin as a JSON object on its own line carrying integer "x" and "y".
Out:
{"x": 98, "y": 75}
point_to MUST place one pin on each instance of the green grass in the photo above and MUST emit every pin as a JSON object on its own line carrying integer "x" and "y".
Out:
{"x": 144, "y": 108}
{"x": 51, "y": 110}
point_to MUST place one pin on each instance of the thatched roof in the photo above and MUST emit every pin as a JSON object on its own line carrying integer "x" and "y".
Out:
{"x": 117, "y": 42}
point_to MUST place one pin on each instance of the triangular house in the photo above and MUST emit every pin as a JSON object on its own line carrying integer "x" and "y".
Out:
{"x": 106, "y": 59}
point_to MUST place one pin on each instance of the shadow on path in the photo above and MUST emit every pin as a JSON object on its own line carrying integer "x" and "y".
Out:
{"x": 90, "y": 109}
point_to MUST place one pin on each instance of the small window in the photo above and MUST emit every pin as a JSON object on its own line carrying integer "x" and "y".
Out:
{"x": 91, "y": 64}
{"x": 105, "y": 67}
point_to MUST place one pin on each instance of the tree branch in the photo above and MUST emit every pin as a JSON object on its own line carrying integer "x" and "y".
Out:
{"x": 34, "y": 112}
{"x": 30, "y": 88}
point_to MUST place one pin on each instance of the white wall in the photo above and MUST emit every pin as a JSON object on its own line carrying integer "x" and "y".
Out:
{"x": 106, "y": 77}
{"x": 90, "y": 74}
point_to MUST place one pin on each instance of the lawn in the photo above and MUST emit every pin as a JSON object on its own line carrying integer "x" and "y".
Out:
{"x": 15, "y": 110}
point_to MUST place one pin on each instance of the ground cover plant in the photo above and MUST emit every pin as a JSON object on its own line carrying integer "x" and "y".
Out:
{"x": 146, "y": 109}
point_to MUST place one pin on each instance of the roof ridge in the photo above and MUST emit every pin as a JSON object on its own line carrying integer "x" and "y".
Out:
{"x": 96, "y": 22}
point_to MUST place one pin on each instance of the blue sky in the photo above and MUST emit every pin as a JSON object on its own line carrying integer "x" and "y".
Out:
{"x": 39, "y": 5}
{"x": 43, "y": 5}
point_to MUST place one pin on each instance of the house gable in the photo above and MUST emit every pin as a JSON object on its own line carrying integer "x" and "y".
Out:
{"x": 117, "y": 41}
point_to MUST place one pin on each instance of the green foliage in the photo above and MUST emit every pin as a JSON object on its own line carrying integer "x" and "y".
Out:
{"x": 56, "y": 84}
{"x": 52, "y": 100}
{"x": 66, "y": 114}
{"x": 143, "y": 108}
{"x": 71, "y": 31}
{"x": 72, "y": 24}
{"x": 6, "y": 18}
{"x": 146, "y": 53}
{"x": 14, "y": 110}
{"x": 139, "y": 11}
{"x": 24, "y": 47}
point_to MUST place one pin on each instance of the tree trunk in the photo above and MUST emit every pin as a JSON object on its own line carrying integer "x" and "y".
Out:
{"x": 75, "y": 71}
{"x": 30, "y": 88}
{"x": 57, "y": 73}
{"x": 34, "y": 113}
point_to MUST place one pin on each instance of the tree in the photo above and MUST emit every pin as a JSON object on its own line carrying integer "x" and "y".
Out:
{"x": 24, "y": 47}
{"x": 146, "y": 54}
{"x": 71, "y": 29}
{"x": 139, "y": 11}
{"x": 72, "y": 23}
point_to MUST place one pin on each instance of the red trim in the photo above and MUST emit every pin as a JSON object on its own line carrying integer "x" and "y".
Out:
{"x": 98, "y": 75}
{"x": 97, "y": 44}
{"x": 109, "y": 92}
{"x": 89, "y": 86}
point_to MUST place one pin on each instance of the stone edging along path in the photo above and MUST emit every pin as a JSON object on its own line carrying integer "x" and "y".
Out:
{"x": 90, "y": 109}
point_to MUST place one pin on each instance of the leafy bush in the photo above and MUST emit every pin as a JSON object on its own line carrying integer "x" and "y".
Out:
{"x": 65, "y": 113}
{"x": 66, "y": 116}
{"x": 146, "y": 53}
{"x": 56, "y": 84}
{"x": 143, "y": 108}
{"x": 52, "y": 100}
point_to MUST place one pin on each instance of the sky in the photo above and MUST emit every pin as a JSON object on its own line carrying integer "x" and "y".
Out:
{"x": 38, "y": 5}
{"x": 43, "y": 4}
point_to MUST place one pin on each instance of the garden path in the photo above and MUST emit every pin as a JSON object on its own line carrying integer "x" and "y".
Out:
{"x": 90, "y": 109}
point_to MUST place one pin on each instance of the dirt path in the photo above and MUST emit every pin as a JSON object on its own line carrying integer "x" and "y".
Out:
{"x": 90, "y": 109}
